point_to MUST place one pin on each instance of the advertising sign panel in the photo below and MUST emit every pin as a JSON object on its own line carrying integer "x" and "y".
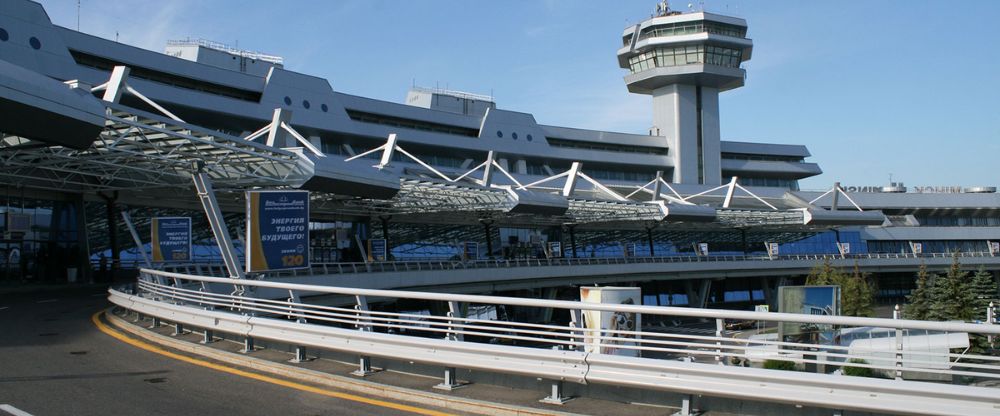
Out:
{"x": 602, "y": 325}
{"x": 772, "y": 249}
{"x": 845, "y": 248}
{"x": 277, "y": 230}
{"x": 917, "y": 248}
{"x": 808, "y": 300}
{"x": 171, "y": 239}
{"x": 377, "y": 249}
{"x": 470, "y": 250}
{"x": 555, "y": 249}
{"x": 701, "y": 249}
{"x": 994, "y": 247}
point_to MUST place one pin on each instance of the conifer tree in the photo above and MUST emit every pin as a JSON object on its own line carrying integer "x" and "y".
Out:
{"x": 918, "y": 302}
{"x": 983, "y": 289}
{"x": 857, "y": 293}
{"x": 951, "y": 299}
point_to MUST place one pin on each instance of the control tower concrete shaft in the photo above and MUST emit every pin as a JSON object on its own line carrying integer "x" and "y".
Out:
{"x": 684, "y": 60}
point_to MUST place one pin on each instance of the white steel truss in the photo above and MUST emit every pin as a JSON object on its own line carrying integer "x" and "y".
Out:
{"x": 836, "y": 190}
{"x": 138, "y": 151}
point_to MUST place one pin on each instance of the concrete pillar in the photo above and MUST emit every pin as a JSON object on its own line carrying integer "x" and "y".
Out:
{"x": 83, "y": 240}
{"x": 112, "y": 219}
{"x": 521, "y": 167}
{"x": 688, "y": 117}
{"x": 697, "y": 292}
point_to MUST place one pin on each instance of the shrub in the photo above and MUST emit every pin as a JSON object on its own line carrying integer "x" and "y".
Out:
{"x": 858, "y": 371}
{"x": 779, "y": 365}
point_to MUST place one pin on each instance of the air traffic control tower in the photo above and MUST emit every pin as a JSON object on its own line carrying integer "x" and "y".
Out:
{"x": 684, "y": 60}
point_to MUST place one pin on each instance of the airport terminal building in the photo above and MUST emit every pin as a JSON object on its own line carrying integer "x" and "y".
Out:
{"x": 93, "y": 128}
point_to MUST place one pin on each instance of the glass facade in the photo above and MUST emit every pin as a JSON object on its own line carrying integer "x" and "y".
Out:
{"x": 50, "y": 251}
{"x": 687, "y": 28}
{"x": 686, "y": 55}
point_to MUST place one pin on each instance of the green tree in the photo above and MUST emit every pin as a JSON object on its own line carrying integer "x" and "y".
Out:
{"x": 951, "y": 299}
{"x": 983, "y": 289}
{"x": 857, "y": 293}
{"x": 856, "y": 290}
{"x": 918, "y": 302}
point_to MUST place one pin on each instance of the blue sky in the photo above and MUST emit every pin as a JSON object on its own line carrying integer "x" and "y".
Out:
{"x": 910, "y": 88}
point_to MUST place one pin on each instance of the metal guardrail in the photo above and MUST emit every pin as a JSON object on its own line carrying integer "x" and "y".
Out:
{"x": 405, "y": 266}
{"x": 666, "y": 358}
{"x": 402, "y": 266}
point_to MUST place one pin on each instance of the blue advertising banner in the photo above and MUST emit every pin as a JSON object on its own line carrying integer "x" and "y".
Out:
{"x": 277, "y": 230}
{"x": 171, "y": 239}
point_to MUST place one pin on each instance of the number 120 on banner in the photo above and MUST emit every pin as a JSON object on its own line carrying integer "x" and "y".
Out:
{"x": 277, "y": 230}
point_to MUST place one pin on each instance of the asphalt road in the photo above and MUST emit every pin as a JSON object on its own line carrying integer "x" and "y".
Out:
{"x": 54, "y": 361}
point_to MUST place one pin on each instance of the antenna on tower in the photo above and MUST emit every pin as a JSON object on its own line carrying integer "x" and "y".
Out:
{"x": 662, "y": 8}
{"x": 78, "y": 15}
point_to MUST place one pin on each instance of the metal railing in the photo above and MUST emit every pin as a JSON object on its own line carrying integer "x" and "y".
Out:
{"x": 423, "y": 265}
{"x": 659, "y": 356}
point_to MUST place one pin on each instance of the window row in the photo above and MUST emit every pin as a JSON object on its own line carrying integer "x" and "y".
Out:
{"x": 791, "y": 184}
{"x": 687, "y": 28}
{"x": 686, "y": 55}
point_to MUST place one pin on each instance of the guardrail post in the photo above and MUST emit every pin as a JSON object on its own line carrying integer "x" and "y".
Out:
{"x": 687, "y": 407}
{"x": 364, "y": 361}
{"x": 556, "y": 395}
{"x": 454, "y": 311}
{"x": 575, "y": 324}
{"x": 991, "y": 319}
{"x": 208, "y": 337}
{"x": 247, "y": 345}
{"x": 178, "y": 329}
{"x": 720, "y": 325}
{"x": 156, "y": 323}
{"x": 899, "y": 344}
{"x": 450, "y": 381}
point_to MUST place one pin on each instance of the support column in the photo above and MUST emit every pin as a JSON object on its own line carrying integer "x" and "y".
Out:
{"x": 697, "y": 297}
{"x": 489, "y": 236}
{"x": 743, "y": 239}
{"x": 572, "y": 237}
{"x": 206, "y": 194}
{"x": 384, "y": 220}
{"x": 649, "y": 236}
{"x": 112, "y": 219}
{"x": 83, "y": 242}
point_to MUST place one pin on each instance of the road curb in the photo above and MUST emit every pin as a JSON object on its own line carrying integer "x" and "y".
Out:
{"x": 384, "y": 391}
